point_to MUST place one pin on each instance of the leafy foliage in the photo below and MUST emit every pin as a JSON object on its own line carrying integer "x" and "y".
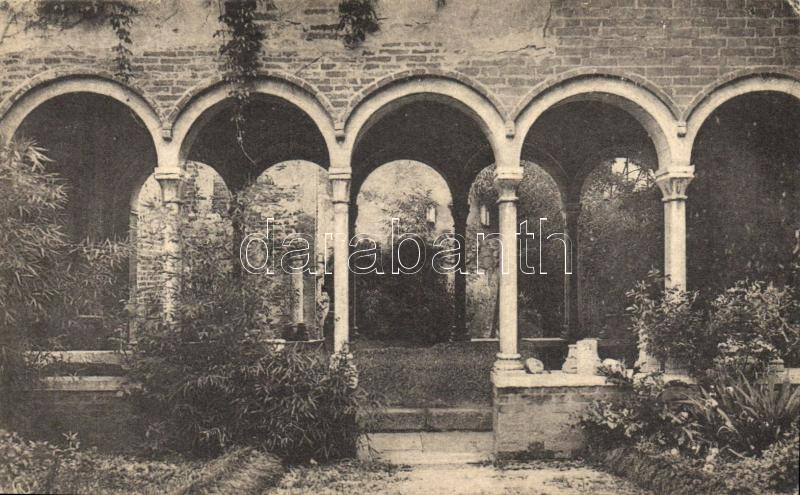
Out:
{"x": 743, "y": 429}
{"x": 413, "y": 307}
{"x": 32, "y": 239}
{"x": 242, "y": 39}
{"x": 744, "y": 328}
{"x": 643, "y": 410}
{"x": 776, "y": 468}
{"x": 209, "y": 380}
{"x": 357, "y": 18}
{"x": 68, "y": 13}
{"x": 620, "y": 239}
{"x": 732, "y": 412}
{"x": 121, "y": 18}
{"x": 41, "y": 467}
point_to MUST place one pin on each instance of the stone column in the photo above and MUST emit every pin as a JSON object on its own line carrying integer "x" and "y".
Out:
{"x": 298, "y": 316}
{"x": 460, "y": 213}
{"x": 506, "y": 182}
{"x": 170, "y": 182}
{"x": 340, "y": 181}
{"x": 673, "y": 184}
{"x": 572, "y": 211}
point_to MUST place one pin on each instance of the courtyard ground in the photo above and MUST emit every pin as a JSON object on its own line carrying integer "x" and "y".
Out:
{"x": 540, "y": 478}
{"x": 447, "y": 462}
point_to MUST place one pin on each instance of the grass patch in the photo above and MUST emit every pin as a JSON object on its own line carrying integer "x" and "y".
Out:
{"x": 453, "y": 374}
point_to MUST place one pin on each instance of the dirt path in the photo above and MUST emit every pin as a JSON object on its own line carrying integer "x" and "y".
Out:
{"x": 545, "y": 478}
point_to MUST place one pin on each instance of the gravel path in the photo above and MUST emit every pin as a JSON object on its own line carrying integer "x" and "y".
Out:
{"x": 541, "y": 478}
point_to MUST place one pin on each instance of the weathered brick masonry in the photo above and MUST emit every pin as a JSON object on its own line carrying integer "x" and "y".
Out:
{"x": 665, "y": 65}
{"x": 679, "y": 48}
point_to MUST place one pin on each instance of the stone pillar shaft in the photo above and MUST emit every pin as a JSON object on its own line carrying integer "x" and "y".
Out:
{"x": 341, "y": 251}
{"x": 460, "y": 212}
{"x": 170, "y": 182}
{"x": 572, "y": 213}
{"x": 298, "y": 299}
{"x": 508, "y": 359}
{"x": 673, "y": 184}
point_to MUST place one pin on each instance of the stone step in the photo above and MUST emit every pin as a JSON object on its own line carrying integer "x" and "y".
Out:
{"x": 429, "y": 448}
{"x": 434, "y": 419}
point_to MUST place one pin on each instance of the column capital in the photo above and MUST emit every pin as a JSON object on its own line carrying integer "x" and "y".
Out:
{"x": 171, "y": 181}
{"x": 506, "y": 182}
{"x": 340, "y": 184}
{"x": 674, "y": 182}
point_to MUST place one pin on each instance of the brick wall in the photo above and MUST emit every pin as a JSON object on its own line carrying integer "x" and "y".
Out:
{"x": 677, "y": 46}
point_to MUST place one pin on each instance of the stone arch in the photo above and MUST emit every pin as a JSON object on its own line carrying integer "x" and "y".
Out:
{"x": 196, "y": 106}
{"x": 456, "y": 91}
{"x": 48, "y": 85}
{"x": 656, "y": 114}
{"x": 731, "y": 86}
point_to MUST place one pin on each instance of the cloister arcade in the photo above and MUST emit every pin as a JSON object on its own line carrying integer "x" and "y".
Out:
{"x": 112, "y": 139}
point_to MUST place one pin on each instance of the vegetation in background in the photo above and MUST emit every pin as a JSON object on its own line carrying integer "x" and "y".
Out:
{"x": 411, "y": 307}
{"x": 743, "y": 328}
{"x": 357, "y": 18}
{"x": 41, "y": 467}
{"x": 241, "y": 46}
{"x": 210, "y": 381}
{"x": 69, "y": 13}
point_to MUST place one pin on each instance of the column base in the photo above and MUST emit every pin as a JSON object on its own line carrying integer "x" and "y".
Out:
{"x": 508, "y": 362}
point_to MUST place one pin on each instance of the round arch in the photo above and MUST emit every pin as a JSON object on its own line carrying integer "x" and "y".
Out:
{"x": 201, "y": 104}
{"x": 397, "y": 91}
{"x": 25, "y": 99}
{"x": 729, "y": 89}
{"x": 645, "y": 106}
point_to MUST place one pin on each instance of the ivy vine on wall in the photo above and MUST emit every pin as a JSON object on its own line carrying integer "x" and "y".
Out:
{"x": 357, "y": 18}
{"x": 241, "y": 46}
{"x": 121, "y": 19}
{"x": 65, "y": 14}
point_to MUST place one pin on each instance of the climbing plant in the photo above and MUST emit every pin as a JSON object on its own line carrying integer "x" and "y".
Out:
{"x": 241, "y": 45}
{"x": 69, "y": 13}
{"x": 357, "y": 18}
{"x": 120, "y": 18}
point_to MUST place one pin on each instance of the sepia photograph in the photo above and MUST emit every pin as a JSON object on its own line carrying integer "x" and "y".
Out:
{"x": 457, "y": 247}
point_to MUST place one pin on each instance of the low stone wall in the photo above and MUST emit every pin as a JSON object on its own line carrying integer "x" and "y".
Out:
{"x": 536, "y": 415}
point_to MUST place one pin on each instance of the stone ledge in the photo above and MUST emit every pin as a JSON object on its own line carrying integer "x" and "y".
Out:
{"x": 546, "y": 380}
{"x": 83, "y": 383}
{"x": 85, "y": 357}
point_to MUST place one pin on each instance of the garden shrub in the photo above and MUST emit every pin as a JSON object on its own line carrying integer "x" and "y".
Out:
{"x": 776, "y": 468}
{"x": 416, "y": 308}
{"x": 63, "y": 292}
{"x": 755, "y": 322}
{"x": 730, "y": 434}
{"x": 743, "y": 416}
{"x": 41, "y": 467}
{"x": 646, "y": 409}
{"x": 209, "y": 380}
{"x": 204, "y": 397}
{"x": 660, "y": 471}
{"x": 411, "y": 307}
{"x": 744, "y": 328}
